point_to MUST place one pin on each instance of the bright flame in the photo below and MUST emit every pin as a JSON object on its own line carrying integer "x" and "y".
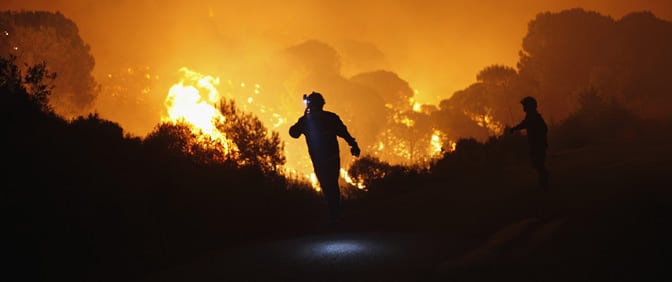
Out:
{"x": 452, "y": 145}
{"x": 417, "y": 107}
{"x": 312, "y": 177}
{"x": 407, "y": 121}
{"x": 436, "y": 146}
{"x": 192, "y": 100}
{"x": 186, "y": 102}
{"x": 487, "y": 121}
{"x": 344, "y": 174}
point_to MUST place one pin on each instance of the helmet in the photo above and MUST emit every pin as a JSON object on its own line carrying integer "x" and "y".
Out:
{"x": 314, "y": 100}
{"x": 529, "y": 101}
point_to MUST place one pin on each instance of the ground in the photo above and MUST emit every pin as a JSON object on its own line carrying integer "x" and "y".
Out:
{"x": 603, "y": 218}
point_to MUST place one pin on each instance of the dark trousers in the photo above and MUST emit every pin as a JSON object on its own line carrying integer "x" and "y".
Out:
{"x": 538, "y": 158}
{"x": 327, "y": 171}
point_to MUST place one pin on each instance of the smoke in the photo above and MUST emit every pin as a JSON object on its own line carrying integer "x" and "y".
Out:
{"x": 436, "y": 46}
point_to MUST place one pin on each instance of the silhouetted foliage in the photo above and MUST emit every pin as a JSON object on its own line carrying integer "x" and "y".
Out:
{"x": 86, "y": 199}
{"x": 38, "y": 80}
{"x": 255, "y": 146}
{"x": 499, "y": 75}
{"x": 39, "y": 88}
{"x": 574, "y": 49}
{"x": 472, "y": 157}
{"x": 452, "y": 120}
{"x": 563, "y": 54}
{"x": 85, "y": 196}
{"x": 171, "y": 139}
{"x": 407, "y": 137}
{"x": 483, "y": 108}
{"x": 98, "y": 127}
{"x": 27, "y": 35}
{"x": 394, "y": 91}
{"x": 25, "y": 109}
{"x": 369, "y": 169}
{"x": 382, "y": 178}
{"x": 597, "y": 120}
{"x": 316, "y": 55}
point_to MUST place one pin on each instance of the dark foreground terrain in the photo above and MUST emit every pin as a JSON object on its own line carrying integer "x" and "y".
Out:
{"x": 605, "y": 217}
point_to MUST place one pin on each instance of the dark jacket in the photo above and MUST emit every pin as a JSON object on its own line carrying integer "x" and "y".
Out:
{"x": 536, "y": 129}
{"x": 321, "y": 129}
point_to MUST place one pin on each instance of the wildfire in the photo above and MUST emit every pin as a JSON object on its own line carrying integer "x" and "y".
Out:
{"x": 487, "y": 121}
{"x": 349, "y": 180}
{"x": 417, "y": 107}
{"x": 436, "y": 145}
{"x": 312, "y": 177}
{"x": 194, "y": 98}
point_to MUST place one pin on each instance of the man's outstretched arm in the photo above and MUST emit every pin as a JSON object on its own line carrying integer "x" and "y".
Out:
{"x": 521, "y": 125}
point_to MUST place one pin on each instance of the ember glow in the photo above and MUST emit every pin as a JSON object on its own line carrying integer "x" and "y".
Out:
{"x": 487, "y": 121}
{"x": 437, "y": 146}
{"x": 194, "y": 99}
{"x": 255, "y": 55}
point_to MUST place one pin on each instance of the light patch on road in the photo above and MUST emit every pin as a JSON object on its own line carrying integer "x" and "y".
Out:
{"x": 340, "y": 248}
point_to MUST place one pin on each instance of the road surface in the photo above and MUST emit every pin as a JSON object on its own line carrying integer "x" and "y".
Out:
{"x": 325, "y": 257}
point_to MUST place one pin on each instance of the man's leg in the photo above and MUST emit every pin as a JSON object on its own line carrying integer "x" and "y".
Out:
{"x": 333, "y": 195}
{"x": 539, "y": 164}
{"x": 327, "y": 173}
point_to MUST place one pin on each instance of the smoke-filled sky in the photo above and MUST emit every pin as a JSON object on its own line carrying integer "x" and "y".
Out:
{"x": 438, "y": 46}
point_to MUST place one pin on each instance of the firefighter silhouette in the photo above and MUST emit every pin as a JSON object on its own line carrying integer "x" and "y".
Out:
{"x": 321, "y": 129}
{"x": 537, "y": 132}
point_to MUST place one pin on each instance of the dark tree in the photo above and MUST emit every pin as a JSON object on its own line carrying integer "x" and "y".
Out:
{"x": 36, "y": 37}
{"x": 171, "y": 141}
{"x": 394, "y": 91}
{"x": 452, "y": 121}
{"x": 564, "y": 53}
{"x": 255, "y": 145}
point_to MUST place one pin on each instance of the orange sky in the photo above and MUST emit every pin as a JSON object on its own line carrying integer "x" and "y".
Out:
{"x": 437, "y": 46}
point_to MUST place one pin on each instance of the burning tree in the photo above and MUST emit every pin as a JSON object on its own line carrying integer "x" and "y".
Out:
{"x": 214, "y": 125}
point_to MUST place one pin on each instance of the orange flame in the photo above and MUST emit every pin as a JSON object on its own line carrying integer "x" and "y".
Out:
{"x": 193, "y": 100}
{"x": 348, "y": 179}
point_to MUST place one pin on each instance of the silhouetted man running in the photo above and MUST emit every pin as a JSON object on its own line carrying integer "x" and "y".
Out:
{"x": 537, "y": 131}
{"x": 321, "y": 129}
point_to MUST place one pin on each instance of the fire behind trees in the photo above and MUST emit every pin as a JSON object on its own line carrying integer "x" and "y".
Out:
{"x": 44, "y": 37}
{"x": 86, "y": 189}
{"x": 81, "y": 187}
{"x": 563, "y": 55}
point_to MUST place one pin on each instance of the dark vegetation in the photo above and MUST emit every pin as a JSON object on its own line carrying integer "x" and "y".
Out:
{"x": 88, "y": 202}
{"x": 85, "y": 198}
{"x": 41, "y": 36}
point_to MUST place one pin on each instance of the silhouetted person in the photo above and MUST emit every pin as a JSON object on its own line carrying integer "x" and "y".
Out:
{"x": 537, "y": 132}
{"x": 321, "y": 129}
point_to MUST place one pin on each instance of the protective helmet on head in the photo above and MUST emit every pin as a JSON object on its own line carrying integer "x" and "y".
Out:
{"x": 314, "y": 100}
{"x": 529, "y": 101}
